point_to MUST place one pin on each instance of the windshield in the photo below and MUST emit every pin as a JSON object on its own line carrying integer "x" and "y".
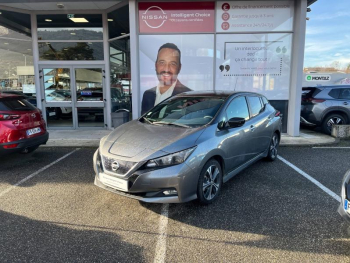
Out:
{"x": 185, "y": 111}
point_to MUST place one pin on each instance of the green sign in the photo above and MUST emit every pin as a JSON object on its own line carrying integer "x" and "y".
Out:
{"x": 70, "y": 15}
{"x": 309, "y": 77}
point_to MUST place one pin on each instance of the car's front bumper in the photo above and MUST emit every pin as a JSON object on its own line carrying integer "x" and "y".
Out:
{"x": 149, "y": 185}
{"x": 342, "y": 210}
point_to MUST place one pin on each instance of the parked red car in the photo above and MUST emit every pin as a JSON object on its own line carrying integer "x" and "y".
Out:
{"x": 22, "y": 127}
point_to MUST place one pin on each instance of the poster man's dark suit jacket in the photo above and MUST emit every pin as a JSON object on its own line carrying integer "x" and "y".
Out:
{"x": 149, "y": 97}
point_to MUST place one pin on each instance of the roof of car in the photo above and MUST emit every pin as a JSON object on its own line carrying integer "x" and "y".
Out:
{"x": 216, "y": 93}
{"x": 334, "y": 86}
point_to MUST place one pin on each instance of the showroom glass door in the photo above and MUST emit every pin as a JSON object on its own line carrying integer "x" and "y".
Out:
{"x": 89, "y": 97}
{"x": 73, "y": 97}
{"x": 57, "y": 96}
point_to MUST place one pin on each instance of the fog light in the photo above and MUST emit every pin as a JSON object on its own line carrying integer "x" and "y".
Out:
{"x": 170, "y": 192}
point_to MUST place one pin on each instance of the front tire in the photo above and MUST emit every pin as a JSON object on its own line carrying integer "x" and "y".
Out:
{"x": 209, "y": 182}
{"x": 273, "y": 148}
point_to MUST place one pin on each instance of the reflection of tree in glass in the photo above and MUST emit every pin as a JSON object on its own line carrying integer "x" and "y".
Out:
{"x": 82, "y": 51}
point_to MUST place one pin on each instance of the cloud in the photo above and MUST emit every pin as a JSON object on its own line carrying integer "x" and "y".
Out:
{"x": 337, "y": 54}
{"x": 327, "y": 16}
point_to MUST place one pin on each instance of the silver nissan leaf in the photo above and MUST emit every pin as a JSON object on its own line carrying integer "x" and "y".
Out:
{"x": 187, "y": 146}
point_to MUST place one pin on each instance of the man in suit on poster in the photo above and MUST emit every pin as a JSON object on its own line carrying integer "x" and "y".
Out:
{"x": 168, "y": 66}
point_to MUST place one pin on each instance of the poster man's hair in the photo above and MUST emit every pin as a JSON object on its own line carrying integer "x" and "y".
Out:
{"x": 172, "y": 46}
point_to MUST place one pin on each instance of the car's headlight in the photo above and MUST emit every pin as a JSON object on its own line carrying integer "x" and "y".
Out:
{"x": 171, "y": 159}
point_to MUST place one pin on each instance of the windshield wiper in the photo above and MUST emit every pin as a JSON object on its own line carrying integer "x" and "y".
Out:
{"x": 172, "y": 123}
{"x": 147, "y": 120}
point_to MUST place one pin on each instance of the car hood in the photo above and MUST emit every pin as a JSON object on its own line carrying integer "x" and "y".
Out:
{"x": 140, "y": 141}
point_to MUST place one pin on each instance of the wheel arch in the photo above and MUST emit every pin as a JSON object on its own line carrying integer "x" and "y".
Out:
{"x": 342, "y": 112}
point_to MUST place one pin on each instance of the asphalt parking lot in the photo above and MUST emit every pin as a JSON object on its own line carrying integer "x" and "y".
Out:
{"x": 50, "y": 211}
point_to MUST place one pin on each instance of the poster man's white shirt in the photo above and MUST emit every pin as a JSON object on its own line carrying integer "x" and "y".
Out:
{"x": 160, "y": 97}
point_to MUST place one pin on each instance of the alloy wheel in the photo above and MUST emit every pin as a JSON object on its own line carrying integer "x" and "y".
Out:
{"x": 211, "y": 182}
{"x": 332, "y": 121}
{"x": 273, "y": 146}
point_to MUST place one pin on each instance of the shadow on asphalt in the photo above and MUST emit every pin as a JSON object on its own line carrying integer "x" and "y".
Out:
{"x": 270, "y": 200}
{"x": 76, "y": 168}
{"x": 26, "y": 240}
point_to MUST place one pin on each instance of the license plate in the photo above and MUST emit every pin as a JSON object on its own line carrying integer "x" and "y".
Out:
{"x": 33, "y": 131}
{"x": 346, "y": 205}
{"x": 114, "y": 182}
{"x": 52, "y": 113}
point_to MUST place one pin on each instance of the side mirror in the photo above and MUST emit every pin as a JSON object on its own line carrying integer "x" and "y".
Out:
{"x": 236, "y": 122}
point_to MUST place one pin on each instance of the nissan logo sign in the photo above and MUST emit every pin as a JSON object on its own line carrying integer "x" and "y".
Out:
{"x": 115, "y": 166}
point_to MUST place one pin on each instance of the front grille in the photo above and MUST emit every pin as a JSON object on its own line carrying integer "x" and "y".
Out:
{"x": 124, "y": 166}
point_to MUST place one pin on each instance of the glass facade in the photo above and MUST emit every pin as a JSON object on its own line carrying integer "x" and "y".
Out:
{"x": 56, "y": 33}
{"x": 16, "y": 56}
{"x": 71, "y": 51}
{"x": 119, "y": 59}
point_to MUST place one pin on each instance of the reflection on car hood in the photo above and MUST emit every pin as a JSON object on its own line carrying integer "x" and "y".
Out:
{"x": 136, "y": 139}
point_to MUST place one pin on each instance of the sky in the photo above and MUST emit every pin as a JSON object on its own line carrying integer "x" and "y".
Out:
{"x": 328, "y": 34}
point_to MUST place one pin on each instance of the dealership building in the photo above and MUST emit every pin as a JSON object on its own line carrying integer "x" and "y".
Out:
{"x": 86, "y": 64}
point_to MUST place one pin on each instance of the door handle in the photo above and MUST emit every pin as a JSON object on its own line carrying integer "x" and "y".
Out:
{"x": 345, "y": 103}
{"x": 252, "y": 128}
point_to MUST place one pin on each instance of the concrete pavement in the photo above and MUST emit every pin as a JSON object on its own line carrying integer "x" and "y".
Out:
{"x": 91, "y": 138}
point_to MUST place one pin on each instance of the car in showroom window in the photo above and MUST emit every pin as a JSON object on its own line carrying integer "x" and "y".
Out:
{"x": 187, "y": 146}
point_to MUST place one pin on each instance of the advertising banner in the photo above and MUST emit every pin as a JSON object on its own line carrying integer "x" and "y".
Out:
{"x": 172, "y": 64}
{"x": 176, "y": 17}
{"x": 254, "y": 16}
{"x": 254, "y": 62}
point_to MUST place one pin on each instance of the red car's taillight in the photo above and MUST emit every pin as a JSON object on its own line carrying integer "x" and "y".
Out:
{"x": 5, "y": 117}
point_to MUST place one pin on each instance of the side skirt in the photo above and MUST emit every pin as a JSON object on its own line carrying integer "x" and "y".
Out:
{"x": 234, "y": 172}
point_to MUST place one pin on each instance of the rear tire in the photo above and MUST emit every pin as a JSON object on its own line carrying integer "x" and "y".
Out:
{"x": 273, "y": 148}
{"x": 330, "y": 120}
{"x": 209, "y": 182}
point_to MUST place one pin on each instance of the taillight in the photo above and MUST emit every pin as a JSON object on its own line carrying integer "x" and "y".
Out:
{"x": 41, "y": 113}
{"x": 278, "y": 113}
{"x": 5, "y": 117}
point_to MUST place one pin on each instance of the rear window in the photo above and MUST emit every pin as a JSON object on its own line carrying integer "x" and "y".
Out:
{"x": 255, "y": 105}
{"x": 310, "y": 92}
{"x": 15, "y": 104}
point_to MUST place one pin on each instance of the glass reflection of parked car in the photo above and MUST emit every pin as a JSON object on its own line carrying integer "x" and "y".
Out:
{"x": 187, "y": 146}
{"x": 58, "y": 112}
{"x": 118, "y": 102}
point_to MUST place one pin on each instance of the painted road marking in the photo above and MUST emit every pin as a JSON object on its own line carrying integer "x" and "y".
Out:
{"x": 162, "y": 231}
{"x": 35, "y": 173}
{"x": 324, "y": 147}
{"x": 325, "y": 189}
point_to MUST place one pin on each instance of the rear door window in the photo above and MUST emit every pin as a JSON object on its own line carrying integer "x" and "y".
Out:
{"x": 255, "y": 105}
{"x": 15, "y": 104}
{"x": 334, "y": 93}
{"x": 344, "y": 94}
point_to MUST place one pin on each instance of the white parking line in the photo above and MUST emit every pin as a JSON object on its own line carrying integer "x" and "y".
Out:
{"x": 324, "y": 147}
{"x": 325, "y": 189}
{"x": 35, "y": 173}
{"x": 161, "y": 242}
